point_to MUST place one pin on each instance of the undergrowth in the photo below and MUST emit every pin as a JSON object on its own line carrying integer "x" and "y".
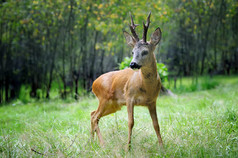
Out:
{"x": 198, "y": 124}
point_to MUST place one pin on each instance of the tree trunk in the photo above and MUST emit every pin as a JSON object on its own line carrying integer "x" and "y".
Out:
{"x": 204, "y": 45}
{"x": 93, "y": 56}
{"x": 236, "y": 60}
{"x": 1, "y": 94}
{"x": 76, "y": 89}
{"x": 33, "y": 92}
{"x": 6, "y": 89}
{"x": 215, "y": 50}
{"x": 49, "y": 85}
{"x": 52, "y": 67}
{"x": 63, "y": 77}
{"x": 101, "y": 63}
{"x": 63, "y": 93}
{"x": 175, "y": 79}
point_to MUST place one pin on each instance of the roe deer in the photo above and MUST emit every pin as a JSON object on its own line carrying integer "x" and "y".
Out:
{"x": 130, "y": 87}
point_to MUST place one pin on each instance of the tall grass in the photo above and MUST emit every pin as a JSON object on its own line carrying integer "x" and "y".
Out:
{"x": 196, "y": 124}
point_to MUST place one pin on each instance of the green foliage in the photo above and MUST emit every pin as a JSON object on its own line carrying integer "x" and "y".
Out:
{"x": 163, "y": 71}
{"x": 125, "y": 63}
{"x": 161, "y": 68}
{"x": 198, "y": 124}
{"x": 208, "y": 83}
{"x": 24, "y": 95}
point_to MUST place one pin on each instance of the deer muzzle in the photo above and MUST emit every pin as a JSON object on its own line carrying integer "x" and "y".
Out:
{"x": 134, "y": 65}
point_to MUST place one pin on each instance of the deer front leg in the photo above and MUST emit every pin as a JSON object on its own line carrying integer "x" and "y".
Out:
{"x": 153, "y": 114}
{"x": 130, "y": 110}
{"x": 92, "y": 125}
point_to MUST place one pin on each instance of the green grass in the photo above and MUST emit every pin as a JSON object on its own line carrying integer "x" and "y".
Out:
{"x": 196, "y": 124}
{"x": 190, "y": 84}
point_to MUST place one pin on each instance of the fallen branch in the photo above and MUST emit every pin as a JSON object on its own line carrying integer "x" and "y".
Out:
{"x": 37, "y": 152}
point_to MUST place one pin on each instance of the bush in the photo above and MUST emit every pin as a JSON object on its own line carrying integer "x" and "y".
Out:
{"x": 163, "y": 71}
{"x": 125, "y": 63}
{"x": 161, "y": 68}
{"x": 208, "y": 83}
{"x": 24, "y": 95}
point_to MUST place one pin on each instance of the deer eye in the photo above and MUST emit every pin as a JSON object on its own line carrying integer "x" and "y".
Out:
{"x": 132, "y": 52}
{"x": 144, "y": 53}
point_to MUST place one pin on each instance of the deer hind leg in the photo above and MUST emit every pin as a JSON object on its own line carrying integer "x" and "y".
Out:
{"x": 153, "y": 114}
{"x": 104, "y": 108}
{"x": 95, "y": 117}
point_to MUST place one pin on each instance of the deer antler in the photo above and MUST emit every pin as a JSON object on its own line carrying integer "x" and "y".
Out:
{"x": 146, "y": 26}
{"x": 132, "y": 28}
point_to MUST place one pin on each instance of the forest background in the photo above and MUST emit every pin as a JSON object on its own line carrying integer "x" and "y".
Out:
{"x": 57, "y": 48}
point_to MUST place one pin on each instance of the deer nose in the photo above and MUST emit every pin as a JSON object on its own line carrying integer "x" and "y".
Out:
{"x": 134, "y": 65}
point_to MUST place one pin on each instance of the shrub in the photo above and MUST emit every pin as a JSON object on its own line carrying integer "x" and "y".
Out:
{"x": 161, "y": 68}
{"x": 163, "y": 71}
{"x": 208, "y": 83}
{"x": 24, "y": 96}
{"x": 125, "y": 63}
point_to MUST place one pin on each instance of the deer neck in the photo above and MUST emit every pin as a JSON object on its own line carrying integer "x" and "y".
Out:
{"x": 149, "y": 73}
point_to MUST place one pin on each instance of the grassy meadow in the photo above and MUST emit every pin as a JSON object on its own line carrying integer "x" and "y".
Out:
{"x": 201, "y": 121}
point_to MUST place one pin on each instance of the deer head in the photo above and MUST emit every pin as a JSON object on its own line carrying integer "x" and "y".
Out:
{"x": 142, "y": 49}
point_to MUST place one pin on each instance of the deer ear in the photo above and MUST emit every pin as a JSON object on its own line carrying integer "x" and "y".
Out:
{"x": 156, "y": 36}
{"x": 129, "y": 39}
